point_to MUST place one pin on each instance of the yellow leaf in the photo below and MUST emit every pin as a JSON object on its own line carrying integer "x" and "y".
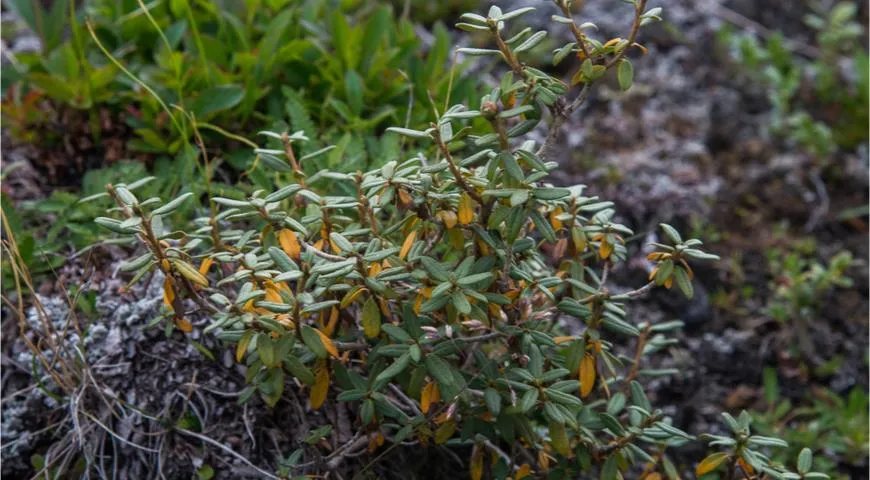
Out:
{"x": 374, "y": 269}
{"x": 205, "y": 265}
{"x": 476, "y": 465}
{"x": 466, "y": 209}
{"x": 669, "y": 282}
{"x": 168, "y": 292}
{"x": 653, "y": 476}
{"x": 385, "y": 309}
{"x": 406, "y": 246}
{"x": 329, "y": 329}
{"x": 448, "y": 217}
{"x": 612, "y": 41}
{"x": 320, "y": 387}
{"x": 187, "y": 271}
{"x": 587, "y": 374}
{"x": 429, "y": 395}
{"x": 444, "y": 432}
{"x": 272, "y": 295}
{"x": 184, "y": 325}
{"x": 543, "y": 459}
{"x": 242, "y": 346}
{"x": 710, "y": 463}
{"x": 554, "y": 221}
{"x": 524, "y": 471}
{"x": 653, "y": 273}
{"x": 559, "y": 438}
{"x": 351, "y": 296}
{"x": 579, "y": 239}
{"x": 371, "y": 318}
{"x": 289, "y": 243}
{"x": 605, "y": 249}
{"x": 561, "y": 340}
{"x": 327, "y": 343}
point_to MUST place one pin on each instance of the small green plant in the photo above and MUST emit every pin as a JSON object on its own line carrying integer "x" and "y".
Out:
{"x": 176, "y": 67}
{"x": 819, "y": 103}
{"x": 744, "y": 454}
{"x": 823, "y": 418}
{"x": 800, "y": 287}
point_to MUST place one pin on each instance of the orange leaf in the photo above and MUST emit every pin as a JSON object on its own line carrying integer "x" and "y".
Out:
{"x": 587, "y": 374}
{"x": 405, "y": 197}
{"x": 428, "y": 396}
{"x": 329, "y": 329}
{"x": 184, "y": 325}
{"x": 375, "y": 268}
{"x": 272, "y": 295}
{"x": 168, "y": 292}
{"x": 524, "y": 471}
{"x": 289, "y": 243}
{"x": 561, "y": 340}
{"x": 710, "y": 463}
{"x": 205, "y": 265}
{"x": 406, "y": 246}
{"x": 653, "y": 476}
{"x": 320, "y": 387}
{"x": 466, "y": 209}
{"x": 605, "y": 249}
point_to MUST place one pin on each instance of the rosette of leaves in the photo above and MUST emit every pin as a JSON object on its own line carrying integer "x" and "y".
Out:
{"x": 433, "y": 298}
{"x": 744, "y": 455}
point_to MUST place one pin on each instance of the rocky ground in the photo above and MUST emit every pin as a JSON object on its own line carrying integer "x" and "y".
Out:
{"x": 689, "y": 145}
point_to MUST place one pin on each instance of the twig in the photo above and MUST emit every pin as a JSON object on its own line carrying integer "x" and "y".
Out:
{"x": 227, "y": 450}
{"x": 399, "y": 393}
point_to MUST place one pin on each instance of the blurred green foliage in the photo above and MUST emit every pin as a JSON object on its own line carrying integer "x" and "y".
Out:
{"x": 819, "y": 92}
{"x": 836, "y": 425}
{"x": 173, "y": 71}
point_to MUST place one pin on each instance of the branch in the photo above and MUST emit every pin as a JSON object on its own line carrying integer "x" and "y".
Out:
{"x": 457, "y": 175}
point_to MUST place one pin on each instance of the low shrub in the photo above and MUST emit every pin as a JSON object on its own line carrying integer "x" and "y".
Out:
{"x": 453, "y": 297}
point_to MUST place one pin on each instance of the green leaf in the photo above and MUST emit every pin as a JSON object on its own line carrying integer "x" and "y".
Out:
{"x": 493, "y": 400}
{"x": 440, "y": 371}
{"x": 172, "y": 206}
{"x": 461, "y": 302}
{"x": 805, "y": 461}
{"x": 217, "y": 99}
{"x": 528, "y": 400}
{"x": 511, "y": 166}
{"x": 672, "y": 233}
{"x": 625, "y": 74}
{"x": 312, "y": 341}
{"x": 396, "y": 368}
{"x": 683, "y": 281}
{"x": 353, "y": 86}
{"x": 299, "y": 370}
{"x": 397, "y": 333}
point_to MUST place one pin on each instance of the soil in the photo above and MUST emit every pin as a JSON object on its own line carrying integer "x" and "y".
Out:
{"x": 689, "y": 144}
